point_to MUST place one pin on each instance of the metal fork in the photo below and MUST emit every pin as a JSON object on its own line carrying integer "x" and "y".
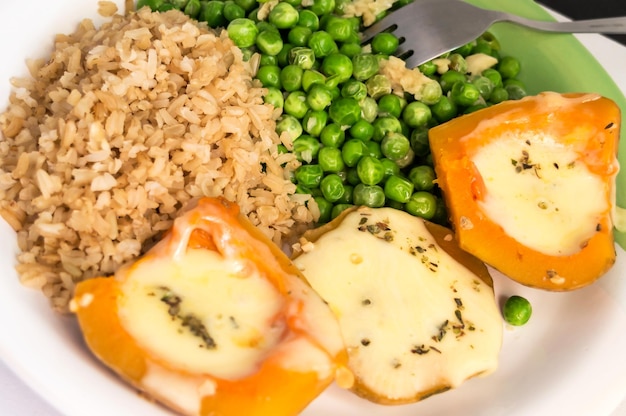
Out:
{"x": 429, "y": 28}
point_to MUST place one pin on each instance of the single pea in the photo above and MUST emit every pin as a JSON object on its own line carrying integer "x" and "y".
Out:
{"x": 274, "y": 97}
{"x": 398, "y": 189}
{"x": 322, "y": 44}
{"x": 354, "y": 89}
{"x": 325, "y": 207}
{"x": 152, "y": 4}
{"x": 370, "y": 170}
{"x": 212, "y": 12}
{"x": 464, "y": 50}
{"x": 322, "y": 7}
{"x": 339, "y": 65}
{"x": 484, "y": 85}
{"x": 494, "y": 76}
{"x": 263, "y": 26}
{"x": 338, "y": 28}
{"x": 247, "y": 5}
{"x": 192, "y": 8}
{"x": 421, "y": 204}
{"x": 338, "y": 209}
{"x": 267, "y": 60}
{"x": 309, "y": 20}
{"x": 475, "y": 107}
{"x": 391, "y": 168}
{"x": 416, "y": 114}
{"x": 302, "y": 57}
{"x": 345, "y": 111}
{"x": 269, "y": 42}
{"x": 330, "y": 159}
{"x": 294, "y": 3}
{"x": 464, "y": 94}
{"x": 509, "y": 67}
{"x": 449, "y": 78}
{"x": 289, "y": 125}
{"x": 351, "y": 49}
{"x": 517, "y": 310}
{"x": 369, "y": 195}
{"x": 242, "y": 32}
{"x": 362, "y": 130}
{"x": 441, "y": 215}
{"x": 390, "y": 105}
{"x": 422, "y": 177}
{"x": 377, "y": 86}
{"x": 233, "y": 11}
{"x": 457, "y": 63}
{"x": 369, "y": 109}
{"x": 332, "y": 187}
{"x": 164, "y": 7}
{"x": 407, "y": 160}
{"x": 365, "y": 66}
{"x": 309, "y": 175}
{"x": 283, "y": 16}
{"x": 314, "y": 122}
{"x": 373, "y": 149}
{"x": 515, "y": 88}
{"x": 428, "y": 68}
{"x": 311, "y": 77}
{"x": 498, "y": 95}
{"x": 347, "y": 197}
{"x": 291, "y": 77}
{"x": 384, "y": 125}
{"x": 385, "y": 43}
{"x": 254, "y": 15}
{"x": 431, "y": 93}
{"x": 443, "y": 110}
{"x": 299, "y": 35}
{"x": 295, "y": 104}
{"x": 419, "y": 141}
{"x": 269, "y": 75}
{"x": 332, "y": 135}
{"x": 319, "y": 97}
{"x": 395, "y": 146}
{"x": 179, "y": 4}
{"x": 283, "y": 55}
{"x": 352, "y": 151}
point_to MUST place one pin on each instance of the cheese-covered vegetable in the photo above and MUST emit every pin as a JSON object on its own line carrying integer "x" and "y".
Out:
{"x": 417, "y": 314}
{"x": 530, "y": 186}
{"x": 214, "y": 320}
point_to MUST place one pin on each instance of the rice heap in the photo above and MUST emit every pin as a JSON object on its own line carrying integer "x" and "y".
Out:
{"x": 119, "y": 130}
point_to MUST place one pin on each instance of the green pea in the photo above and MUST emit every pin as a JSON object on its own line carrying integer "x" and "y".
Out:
{"x": 319, "y": 97}
{"x": 352, "y": 151}
{"x": 311, "y": 77}
{"x": 302, "y": 57}
{"x": 385, "y": 43}
{"x": 369, "y": 195}
{"x": 498, "y": 95}
{"x": 421, "y": 204}
{"x": 242, "y": 32}
{"x": 299, "y": 35}
{"x": 314, "y": 122}
{"x": 517, "y": 310}
{"x": 338, "y": 209}
{"x": 233, "y": 11}
{"x": 457, "y": 63}
{"x": 267, "y": 60}
{"x": 391, "y": 168}
{"x": 422, "y": 177}
{"x": 475, "y": 107}
{"x": 345, "y": 111}
{"x": 352, "y": 177}
{"x": 515, "y": 88}
{"x": 428, "y": 68}
{"x": 309, "y": 175}
{"x": 351, "y": 49}
{"x": 449, "y": 78}
{"x": 289, "y": 125}
{"x": 419, "y": 141}
{"x": 484, "y": 86}
{"x": 332, "y": 187}
{"x": 164, "y": 7}
{"x": 398, "y": 189}
{"x": 283, "y": 55}
{"x": 377, "y": 86}
{"x": 390, "y": 105}
{"x": 416, "y": 114}
{"x": 192, "y": 9}
{"x": 325, "y": 207}
{"x": 395, "y": 146}
{"x": 322, "y": 7}
{"x": 212, "y": 12}
{"x": 494, "y": 76}
{"x": 339, "y": 65}
{"x": 291, "y": 77}
{"x": 354, "y": 89}
{"x": 369, "y": 109}
{"x": 509, "y": 67}
{"x": 247, "y": 5}
{"x": 269, "y": 75}
{"x": 254, "y": 15}
{"x": 309, "y": 20}
{"x": 384, "y": 125}
{"x": 269, "y": 42}
{"x": 295, "y": 104}
{"x": 464, "y": 50}
{"x": 339, "y": 29}
{"x": 364, "y": 66}
{"x": 362, "y": 130}
{"x": 322, "y": 44}
{"x": 370, "y": 170}
{"x": 274, "y": 97}
{"x": 444, "y": 109}
{"x": 431, "y": 93}
{"x": 331, "y": 159}
{"x": 152, "y": 4}
{"x": 347, "y": 197}
{"x": 464, "y": 94}
{"x": 332, "y": 135}
{"x": 283, "y": 16}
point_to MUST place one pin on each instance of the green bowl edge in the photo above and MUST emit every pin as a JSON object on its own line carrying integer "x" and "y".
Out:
{"x": 552, "y": 51}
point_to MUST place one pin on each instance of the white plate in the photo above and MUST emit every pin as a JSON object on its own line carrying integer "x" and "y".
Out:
{"x": 567, "y": 360}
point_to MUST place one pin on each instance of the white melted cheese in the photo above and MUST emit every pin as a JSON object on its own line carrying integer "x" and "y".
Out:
{"x": 395, "y": 294}
{"x": 540, "y": 193}
{"x": 238, "y": 312}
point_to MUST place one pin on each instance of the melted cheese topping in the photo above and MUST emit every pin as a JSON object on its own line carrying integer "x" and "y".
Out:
{"x": 413, "y": 318}
{"x": 540, "y": 193}
{"x": 200, "y": 314}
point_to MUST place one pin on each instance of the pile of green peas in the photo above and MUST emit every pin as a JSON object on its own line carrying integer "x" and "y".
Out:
{"x": 359, "y": 143}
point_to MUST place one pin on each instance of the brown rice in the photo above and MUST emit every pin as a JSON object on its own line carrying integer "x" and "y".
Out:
{"x": 118, "y": 130}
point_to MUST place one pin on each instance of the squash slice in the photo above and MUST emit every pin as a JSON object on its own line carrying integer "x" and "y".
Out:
{"x": 214, "y": 320}
{"x": 530, "y": 186}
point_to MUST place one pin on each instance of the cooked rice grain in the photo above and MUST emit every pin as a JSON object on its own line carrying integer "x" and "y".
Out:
{"x": 118, "y": 130}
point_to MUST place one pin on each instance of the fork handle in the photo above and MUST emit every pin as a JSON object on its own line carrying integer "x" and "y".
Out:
{"x": 609, "y": 25}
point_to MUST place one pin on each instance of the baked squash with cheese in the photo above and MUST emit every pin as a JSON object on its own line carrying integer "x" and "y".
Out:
{"x": 530, "y": 186}
{"x": 214, "y": 320}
